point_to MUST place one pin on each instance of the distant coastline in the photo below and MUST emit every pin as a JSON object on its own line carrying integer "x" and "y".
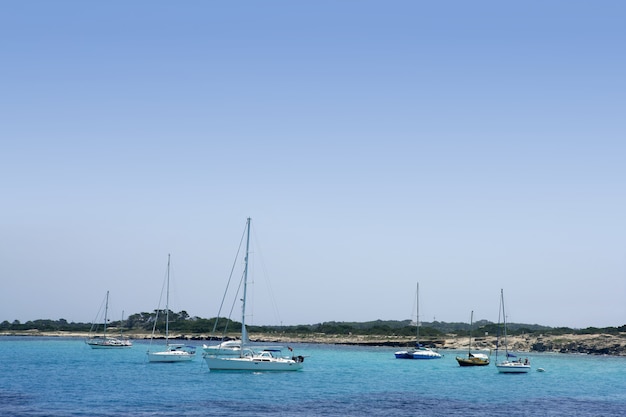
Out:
{"x": 595, "y": 344}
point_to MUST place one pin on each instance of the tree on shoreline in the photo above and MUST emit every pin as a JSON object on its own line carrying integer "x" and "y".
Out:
{"x": 182, "y": 322}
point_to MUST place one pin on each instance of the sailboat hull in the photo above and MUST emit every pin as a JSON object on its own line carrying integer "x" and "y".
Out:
{"x": 473, "y": 361}
{"x": 169, "y": 356}
{"x": 512, "y": 368}
{"x": 108, "y": 343}
{"x": 173, "y": 353}
{"x": 426, "y": 355}
{"x": 216, "y": 363}
{"x": 422, "y": 353}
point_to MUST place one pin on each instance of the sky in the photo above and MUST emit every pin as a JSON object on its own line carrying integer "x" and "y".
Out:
{"x": 467, "y": 146}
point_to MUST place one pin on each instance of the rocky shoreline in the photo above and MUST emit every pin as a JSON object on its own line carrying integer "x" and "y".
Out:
{"x": 600, "y": 344}
{"x": 595, "y": 344}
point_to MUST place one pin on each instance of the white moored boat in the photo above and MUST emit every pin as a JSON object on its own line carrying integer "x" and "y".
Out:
{"x": 507, "y": 366}
{"x": 243, "y": 357}
{"x": 173, "y": 352}
{"x": 420, "y": 351}
{"x": 513, "y": 367}
{"x": 99, "y": 342}
{"x": 106, "y": 341}
{"x": 249, "y": 360}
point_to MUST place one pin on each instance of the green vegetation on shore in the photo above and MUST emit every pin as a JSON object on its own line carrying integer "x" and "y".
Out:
{"x": 183, "y": 323}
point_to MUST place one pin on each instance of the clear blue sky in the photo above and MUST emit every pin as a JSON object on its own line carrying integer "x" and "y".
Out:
{"x": 470, "y": 146}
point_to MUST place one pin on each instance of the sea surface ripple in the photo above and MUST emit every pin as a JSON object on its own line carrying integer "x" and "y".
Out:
{"x": 64, "y": 377}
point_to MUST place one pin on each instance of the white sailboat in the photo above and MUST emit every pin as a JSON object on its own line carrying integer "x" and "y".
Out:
{"x": 104, "y": 341}
{"x": 174, "y": 352}
{"x": 420, "y": 351}
{"x": 239, "y": 355}
{"x": 507, "y": 366}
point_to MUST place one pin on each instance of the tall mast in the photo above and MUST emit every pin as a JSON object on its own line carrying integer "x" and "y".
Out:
{"x": 106, "y": 311}
{"x": 167, "y": 304}
{"x": 417, "y": 302}
{"x": 469, "y": 351}
{"x": 506, "y": 345}
{"x": 244, "y": 333}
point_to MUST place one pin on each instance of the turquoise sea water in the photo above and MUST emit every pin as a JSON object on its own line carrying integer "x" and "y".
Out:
{"x": 64, "y": 377}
